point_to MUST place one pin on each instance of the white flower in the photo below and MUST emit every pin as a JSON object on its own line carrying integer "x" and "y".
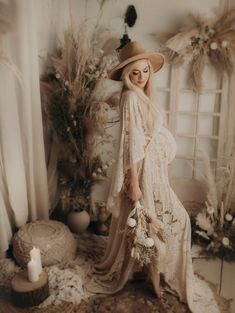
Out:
{"x": 131, "y": 222}
{"x": 149, "y": 242}
{"x": 99, "y": 170}
{"x": 225, "y": 43}
{"x": 110, "y": 163}
{"x": 57, "y": 75}
{"x": 225, "y": 241}
{"x": 94, "y": 174}
{"x": 228, "y": 217}
{"x": 66, "y": 83}
{"x": 214, "y": 45}
{"x": 210, "y": 210}
{"x": 104, "y": 167}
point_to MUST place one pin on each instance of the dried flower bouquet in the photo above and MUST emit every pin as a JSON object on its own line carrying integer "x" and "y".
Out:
{"x": 214, "y": 227}
{"x": 200, "y": 39}
{"x": 76, "y": 116}
{"x": 139, "y": 241}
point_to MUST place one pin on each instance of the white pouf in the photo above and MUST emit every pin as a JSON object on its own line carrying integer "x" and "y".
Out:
{"x": 54, "y": 239}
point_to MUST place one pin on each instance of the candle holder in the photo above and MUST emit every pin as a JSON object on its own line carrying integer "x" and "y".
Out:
{"x": 25, "y": 293}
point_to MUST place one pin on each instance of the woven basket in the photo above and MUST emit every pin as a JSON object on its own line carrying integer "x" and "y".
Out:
{"x": 54, "y": 239}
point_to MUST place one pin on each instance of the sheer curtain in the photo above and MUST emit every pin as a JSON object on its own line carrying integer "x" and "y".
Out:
{"x": 24, "y": 187}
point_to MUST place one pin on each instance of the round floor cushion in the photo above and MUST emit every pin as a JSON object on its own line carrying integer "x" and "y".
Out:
{"x": 54, "y": 239}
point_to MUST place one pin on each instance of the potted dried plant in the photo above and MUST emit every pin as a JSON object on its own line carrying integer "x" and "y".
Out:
{"x": 76, "y": 116}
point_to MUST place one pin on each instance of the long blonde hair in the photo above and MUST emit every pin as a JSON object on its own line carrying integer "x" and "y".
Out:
{"x": 151, "y": 111}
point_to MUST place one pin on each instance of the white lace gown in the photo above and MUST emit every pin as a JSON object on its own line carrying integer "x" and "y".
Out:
{"x": 152, "y": 153}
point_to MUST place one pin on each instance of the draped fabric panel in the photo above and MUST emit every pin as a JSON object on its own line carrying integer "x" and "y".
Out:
{"x": 24, "y": 188}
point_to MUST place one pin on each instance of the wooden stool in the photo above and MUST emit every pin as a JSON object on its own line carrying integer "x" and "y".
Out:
{"x": 25, "y": 293}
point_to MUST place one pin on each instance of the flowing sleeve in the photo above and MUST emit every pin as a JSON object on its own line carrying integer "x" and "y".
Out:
{"x": 131, "y": 149}
{"x": 134, "y": 139}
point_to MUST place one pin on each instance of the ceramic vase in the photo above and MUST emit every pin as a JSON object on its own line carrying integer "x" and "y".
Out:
{"x": 78, "y": 221}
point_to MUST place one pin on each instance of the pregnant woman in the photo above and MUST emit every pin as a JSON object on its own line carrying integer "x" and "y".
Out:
{"x": 146, "y": 148}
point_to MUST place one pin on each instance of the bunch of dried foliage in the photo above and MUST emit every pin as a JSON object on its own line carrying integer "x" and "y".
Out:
{"x": 76, "y": 116}
{"x": 214, "y": 227}
{"x": 200, "y": 40}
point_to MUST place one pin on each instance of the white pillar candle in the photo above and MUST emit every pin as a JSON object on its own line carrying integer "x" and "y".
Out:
{"x": 36, "y": 255}
{"x": 33, "y": 274}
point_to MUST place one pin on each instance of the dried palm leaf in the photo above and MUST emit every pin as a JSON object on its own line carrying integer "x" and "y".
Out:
{"x": 204, "y": 223}
{"x": 181, "y": 40}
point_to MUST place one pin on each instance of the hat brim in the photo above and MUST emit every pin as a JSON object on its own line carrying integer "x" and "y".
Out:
{"x": 157, "y": 60}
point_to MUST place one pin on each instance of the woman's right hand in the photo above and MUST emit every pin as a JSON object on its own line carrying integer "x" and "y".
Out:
{"x": 134, "y": 193}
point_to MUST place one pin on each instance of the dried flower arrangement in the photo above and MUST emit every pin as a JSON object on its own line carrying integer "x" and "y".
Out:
{"x": 214, "y": 227}
{"x": 76, "y": 116}
{"x": 141, "y": 246}
{"x": 199, "y": 40}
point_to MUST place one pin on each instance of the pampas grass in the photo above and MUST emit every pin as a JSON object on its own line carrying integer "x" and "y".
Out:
{"x": 75, "y": 114}
{"x": 200, "y": 40}
{"x": 214, "y": 227}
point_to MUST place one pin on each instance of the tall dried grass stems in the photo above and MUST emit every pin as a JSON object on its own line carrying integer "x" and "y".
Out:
{"x": 200, "y": 40}
{"x": 75, "y": 113}
{"x": 214, "y": 226}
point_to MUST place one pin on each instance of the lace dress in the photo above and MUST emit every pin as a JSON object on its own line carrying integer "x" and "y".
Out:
{"x": 152, "y": 155}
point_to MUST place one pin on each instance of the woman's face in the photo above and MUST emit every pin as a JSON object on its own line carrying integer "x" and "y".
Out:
{"x": 139, "y": 74}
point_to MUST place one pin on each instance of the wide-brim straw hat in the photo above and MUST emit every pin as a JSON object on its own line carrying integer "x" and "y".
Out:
{"x": 131, "y": 52}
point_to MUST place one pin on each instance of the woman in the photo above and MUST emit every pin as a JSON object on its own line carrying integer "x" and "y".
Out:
{"x": 146, "y": 149}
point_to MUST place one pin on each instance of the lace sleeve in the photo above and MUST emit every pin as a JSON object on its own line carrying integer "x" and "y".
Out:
{"x": 131, "y": 149}
{"x": 134, "y": 135}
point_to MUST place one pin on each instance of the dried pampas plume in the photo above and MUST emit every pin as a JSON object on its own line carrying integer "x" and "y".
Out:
{"x": 200, "y": 39}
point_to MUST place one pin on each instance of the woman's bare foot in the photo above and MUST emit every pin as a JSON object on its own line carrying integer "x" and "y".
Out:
{"x": 155, "y": 278}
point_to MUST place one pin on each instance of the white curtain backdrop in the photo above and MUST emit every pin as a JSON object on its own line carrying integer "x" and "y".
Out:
{"x": 28, "y": 175}
{"x": 24, "y": 192}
